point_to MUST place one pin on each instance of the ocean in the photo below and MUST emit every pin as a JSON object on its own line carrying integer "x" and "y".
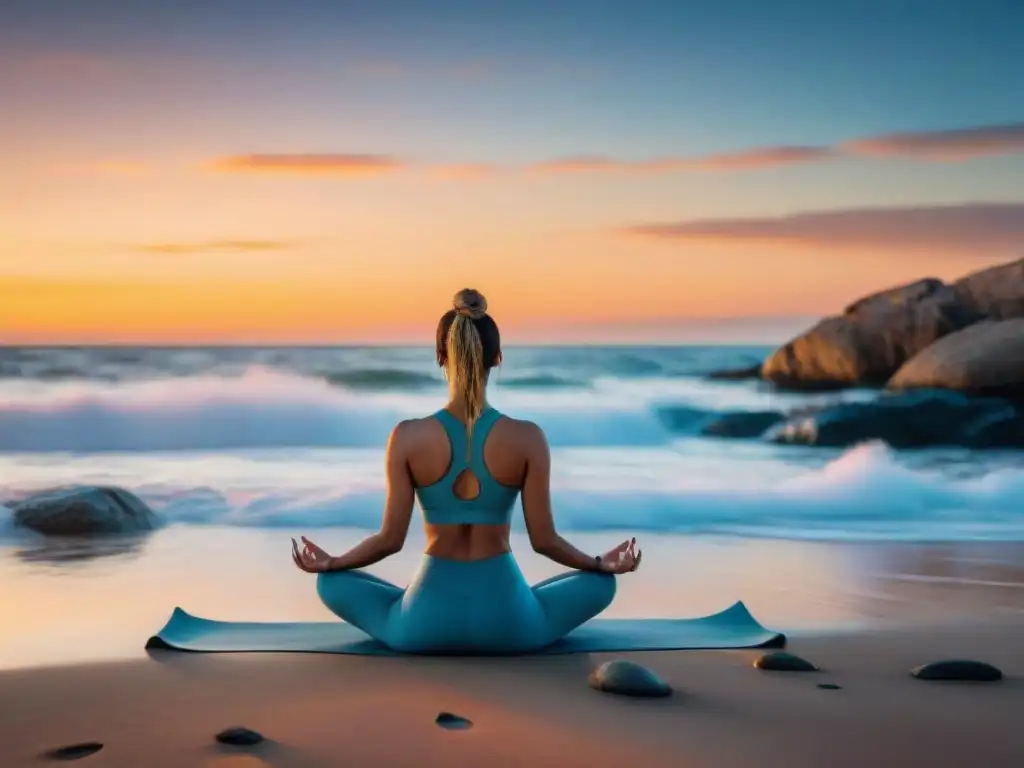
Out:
{"x": 239, "y": 449}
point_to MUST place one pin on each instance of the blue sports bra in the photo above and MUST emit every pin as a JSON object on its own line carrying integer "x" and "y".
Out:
{"x": 493, "y": 505}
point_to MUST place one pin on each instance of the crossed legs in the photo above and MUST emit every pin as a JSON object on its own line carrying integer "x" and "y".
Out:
{"x": 366, "y": 601}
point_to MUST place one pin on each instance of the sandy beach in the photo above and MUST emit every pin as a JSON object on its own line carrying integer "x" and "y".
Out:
{"x": 343, "y": 710}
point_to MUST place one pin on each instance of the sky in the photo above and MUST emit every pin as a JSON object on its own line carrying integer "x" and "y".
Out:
{"x": 318, "y": 172}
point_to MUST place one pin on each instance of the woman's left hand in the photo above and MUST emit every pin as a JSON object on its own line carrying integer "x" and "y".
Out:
{"x": 310, "y": 558}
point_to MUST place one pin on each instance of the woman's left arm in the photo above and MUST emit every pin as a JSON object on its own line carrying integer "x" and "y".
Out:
{"x": 397, "y": 511}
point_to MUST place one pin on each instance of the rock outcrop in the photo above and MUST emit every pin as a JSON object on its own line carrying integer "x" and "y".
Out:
{"x": 742, "y": 424}
{"x": 84, "y": 511}
{"x": 876, "y": 335}
{"x": 986, "y": 358}
{"x": 997, "y": 293}
{"x": 868, "y": 344}
{"x": 909, "y": 420}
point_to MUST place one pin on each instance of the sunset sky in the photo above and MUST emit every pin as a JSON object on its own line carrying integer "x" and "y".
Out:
{"x": 334, "y": 171}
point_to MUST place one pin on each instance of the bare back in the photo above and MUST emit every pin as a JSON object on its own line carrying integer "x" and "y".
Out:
{"x": 507, "y": 454}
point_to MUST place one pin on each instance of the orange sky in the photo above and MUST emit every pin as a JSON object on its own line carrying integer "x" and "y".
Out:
{"x": 193, "y": 187}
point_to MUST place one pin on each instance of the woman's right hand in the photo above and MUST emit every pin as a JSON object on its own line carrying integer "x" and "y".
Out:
{"x": 624, "y": 558}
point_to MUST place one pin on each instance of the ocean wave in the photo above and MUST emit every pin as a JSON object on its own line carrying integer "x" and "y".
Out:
{"x": 377, "y": 379}
{"x": 263, "y": 408}
{"x": 864, "y": 493}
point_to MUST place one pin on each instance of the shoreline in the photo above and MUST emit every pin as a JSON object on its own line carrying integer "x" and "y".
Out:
{"x": 105, "y": 608}
{"x": 338, "y": 710}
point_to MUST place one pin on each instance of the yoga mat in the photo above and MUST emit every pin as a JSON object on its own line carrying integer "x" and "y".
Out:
{"x": 732, "y": 628}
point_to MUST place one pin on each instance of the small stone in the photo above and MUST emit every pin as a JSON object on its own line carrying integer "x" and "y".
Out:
{"x": 239, "y": 737}
{"x": 628, "y": 679}
{"x": 75, "y": 751}
{"x": 452, "y": 722}
{"x": 829, "y": 686}
{"x": 958, "y": 669}
{"x": 780, "y": 661}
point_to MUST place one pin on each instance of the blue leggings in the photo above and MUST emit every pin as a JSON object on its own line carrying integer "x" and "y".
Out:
{"x": 478, "y": 606}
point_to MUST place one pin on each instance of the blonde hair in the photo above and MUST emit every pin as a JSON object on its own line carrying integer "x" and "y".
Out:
{"x": 465, "y": 365}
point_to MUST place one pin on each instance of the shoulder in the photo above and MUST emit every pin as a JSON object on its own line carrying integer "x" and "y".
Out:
{"x": 408, "y": 431}
{"x": 527, "y": 433}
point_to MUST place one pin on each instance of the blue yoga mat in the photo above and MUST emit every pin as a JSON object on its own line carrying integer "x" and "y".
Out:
{"x": 732, "y": 628}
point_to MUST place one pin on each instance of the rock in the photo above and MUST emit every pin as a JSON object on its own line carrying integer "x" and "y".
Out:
{"x": 737, "y": 374}
{"x": 984, "y": 358}
{"x": 868, "y": 344}
{"x": 84, "y": 511}
{"x": 958, "y": 669}
{"x": 996, "y": 293}
{"x": 628, "y": 679}
{"x": 239, "y": 737}
{"x": 742, "y": 424}
{"x": 75, "y": 751}
{"x": 779, "y": 661}
{"x": 909, "y": 420}
{"x": 916, "y": 291}
{"x": 829, "y": 686}
{"x": 452, "y": 722}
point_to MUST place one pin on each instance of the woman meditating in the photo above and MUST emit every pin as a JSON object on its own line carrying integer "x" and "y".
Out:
{"x": 466, "y": 464}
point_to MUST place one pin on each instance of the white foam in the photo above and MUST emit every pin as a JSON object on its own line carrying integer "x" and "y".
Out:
{"x": 264, "y": 408}
{"x": 865, "y": 493}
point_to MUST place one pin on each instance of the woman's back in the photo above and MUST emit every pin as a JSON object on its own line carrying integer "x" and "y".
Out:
{"x": 466, "y": 499}
{"x": 467, "y": 464}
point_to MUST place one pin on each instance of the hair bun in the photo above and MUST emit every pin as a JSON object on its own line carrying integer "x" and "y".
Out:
{"x": 471, "y": 303}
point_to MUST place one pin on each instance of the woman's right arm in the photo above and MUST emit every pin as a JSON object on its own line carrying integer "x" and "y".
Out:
{"x": 540, "y": 523}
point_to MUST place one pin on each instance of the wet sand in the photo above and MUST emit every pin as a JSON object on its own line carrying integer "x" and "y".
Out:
{"x": 336, "y": 710}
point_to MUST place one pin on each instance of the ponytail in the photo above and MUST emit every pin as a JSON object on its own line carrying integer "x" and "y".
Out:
{"x": 466, "y": 370}
{"x": 465, "y": 363}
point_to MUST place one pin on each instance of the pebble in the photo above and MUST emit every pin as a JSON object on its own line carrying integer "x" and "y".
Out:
{"x": 628, "y": 679}
{"x": 780, "y": 661}
{"x": 75, "y": 751}
{"x": 239, "y": 737}
{"x": 452, "y": 722}
{"x": 958, "y": 669}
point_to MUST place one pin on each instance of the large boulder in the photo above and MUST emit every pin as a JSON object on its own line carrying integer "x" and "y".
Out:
{"x": 869, "y": 342}
{"x": 996, "y": 293}
{"x": 909, "y": 420}
{"x": 877, "y": 334}
{"x": 84, "y": 511}
{"x": 985, "y": 358}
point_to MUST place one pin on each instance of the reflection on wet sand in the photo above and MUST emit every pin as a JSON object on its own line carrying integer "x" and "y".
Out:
{"x": 100, "y": 598}
{"x": 938, "y": 581}
{"x": 56, "y": 550}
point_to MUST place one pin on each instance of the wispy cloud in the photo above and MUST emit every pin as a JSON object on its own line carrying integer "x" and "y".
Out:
{"x": 216, "y": 245}
{"x": 946, "y": 145}
{"x": 746, "y": 160}
{"x": 951, "y": 145}
{"x": 318, "y": 164}
{"x": 942, "y": 227}
{"x": 765, "y": 157}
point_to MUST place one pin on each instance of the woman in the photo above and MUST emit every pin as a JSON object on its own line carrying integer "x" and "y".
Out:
{"x": 466, "y": 464}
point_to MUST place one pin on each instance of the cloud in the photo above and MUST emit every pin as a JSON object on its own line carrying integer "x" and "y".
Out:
{"x": 950, "y": 145}
{"x": 321, "y": 164}
{"x": 216, "y": 245}
{"x": 943, "y": 227}
{"x": 764, "y": 157}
